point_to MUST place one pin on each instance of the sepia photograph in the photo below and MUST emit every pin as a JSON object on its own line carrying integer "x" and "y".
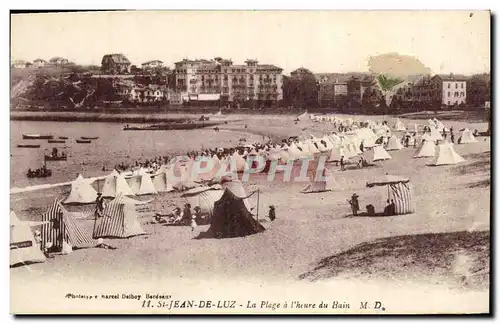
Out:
{"x": 250, "y": 162}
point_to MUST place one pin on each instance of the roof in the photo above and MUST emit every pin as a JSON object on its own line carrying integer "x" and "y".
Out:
{"x": 301, "y": 70}
{"x": 57, "y": 58}
{"x": 118, "y": 58}
{"x": 451, "y": 77}
{"x": 153, "y": 61}
{"x": 268, "y": 67}
{"x": 387, "y": 180}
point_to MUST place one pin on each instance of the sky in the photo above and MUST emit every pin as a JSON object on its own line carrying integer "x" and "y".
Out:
{"x": 322, "y": 41}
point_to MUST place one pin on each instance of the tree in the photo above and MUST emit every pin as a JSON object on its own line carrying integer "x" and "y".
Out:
{"x": 304, "y": 90}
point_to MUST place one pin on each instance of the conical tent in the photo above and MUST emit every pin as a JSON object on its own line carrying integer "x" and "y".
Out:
{"x": 232, "y": 219}
{"x": 81, "y": 192}
{"x": 119, "y": 220}
{"x": 141, "y": 184}
{"x": 393, "y": 144}
{"x": 115, "y": 183}
{"x": 237, "y": 188}
{"x": 427, "y": 149}
{"x": 446, "y": 154}
{"x": 336, "y": 154}
{"x": 399, "y": 125}
{"x": 302, "y": 116}
{"x": 374, "y": 154}
{"x": 23, "y": 247}
{"x": 328, "y": 183}
{"x": 61, "y": 228}
{"x": 160, "y": 181}
{"x": 239, "y": 161}
{"x": 466, "y": 137}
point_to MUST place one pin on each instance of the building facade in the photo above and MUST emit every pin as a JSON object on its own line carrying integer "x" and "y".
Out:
{"x": 326, "y": 91}
{"x": 115, "y": 64}
{"x": 151, "y": 65}
{"x": 39, "y": 63}
{"x": 220, "y": 80}
{"x": 58, "y": 61}
{"x": 20, "y": 64}
{"x": 452, "y": 91}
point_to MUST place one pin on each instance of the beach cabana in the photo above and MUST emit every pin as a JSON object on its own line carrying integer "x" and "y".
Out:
{"x": 399, "y": 190}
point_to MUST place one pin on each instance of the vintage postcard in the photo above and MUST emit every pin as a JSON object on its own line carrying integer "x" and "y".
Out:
{"x": 250, "y": 162}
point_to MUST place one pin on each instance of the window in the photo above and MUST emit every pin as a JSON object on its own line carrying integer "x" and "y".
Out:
{"x": 456, "y": 85}
{"x": 448, "y": 86}
{"x": 462, "y": 85}
{"x": 448, "y": 93}
{"x": 448, "y": 102}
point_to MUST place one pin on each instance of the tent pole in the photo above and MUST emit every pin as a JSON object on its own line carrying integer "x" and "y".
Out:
{"x": 258, "y": 196}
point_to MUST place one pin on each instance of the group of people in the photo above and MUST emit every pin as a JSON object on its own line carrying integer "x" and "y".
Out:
{"x": 389, "y": 209}
{"x": 184, "y": 216}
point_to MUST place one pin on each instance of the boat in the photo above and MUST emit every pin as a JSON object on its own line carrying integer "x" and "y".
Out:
{"x": 82, "y": 141}
{"x": 89, "y": 138}
{"x": 39, "y": 173}
{"x": 173, "y": 126}
{"x": 56, "y": 158}
{"x": 56, "y": 141}
{"x": 29, "y": 145}
{"x": 37, "y": 136}
{"x": 63, "y": 137}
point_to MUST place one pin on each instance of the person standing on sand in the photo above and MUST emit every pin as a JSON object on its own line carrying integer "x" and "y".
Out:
{"x": 99, "y": 207}
{"x": 342, "y": 166}
{"x": 193, "y": 223}
{"x": 354, "y": 204}
{"x": 186, "y": 214}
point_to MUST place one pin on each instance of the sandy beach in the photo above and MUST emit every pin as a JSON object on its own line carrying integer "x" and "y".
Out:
{"x": 313, "y": 242}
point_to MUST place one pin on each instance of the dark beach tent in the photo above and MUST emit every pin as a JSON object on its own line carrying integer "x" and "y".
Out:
{"x": 232, "y": 219}
{"x": 400, "y": 190}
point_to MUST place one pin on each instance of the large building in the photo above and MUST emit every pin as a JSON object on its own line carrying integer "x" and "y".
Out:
{"x": 115, "y": 64}
{"x": 450, "y": 89}
{"x": 220, "y": 80}
{"x": 151, "y": 65}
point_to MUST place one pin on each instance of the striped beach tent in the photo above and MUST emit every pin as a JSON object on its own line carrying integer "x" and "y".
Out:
{"x": 62, "y": 228}
{"x": 399, "y": 190}
{"x": 119, "y": 220}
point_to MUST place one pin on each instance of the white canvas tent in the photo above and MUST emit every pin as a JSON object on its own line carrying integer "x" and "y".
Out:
{"x": 376, "y": 153}
{"x": 399, "y": 125}
{"x": 328, "y": 183}
{"x": 466, "y": 137}
{"x": 393, "y": 144}
{"x": 142, "y": 184}
{"x": 81, "y": 192}
{"x": 160, "y": 180}
{"x": 426, "y": 149}
{"x": 23, "y": 247}
{"x": 446, "y": 154}
{"x": 115, "y": 183}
